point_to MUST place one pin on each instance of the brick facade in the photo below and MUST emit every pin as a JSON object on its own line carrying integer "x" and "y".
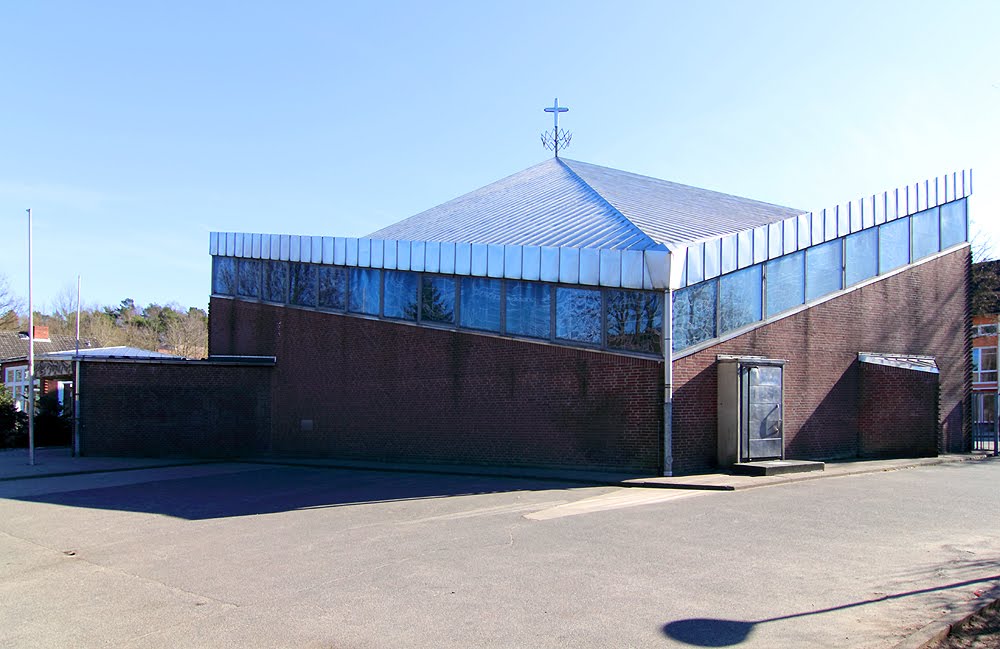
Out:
{"x": 174, "y": 409}
{"x": 356, "y": 388}
{"x": 898, "y": 412}
{"x": 922, "y": 310}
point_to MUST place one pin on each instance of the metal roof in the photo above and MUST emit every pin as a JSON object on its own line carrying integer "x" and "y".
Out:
{"x": 565, "y": 203}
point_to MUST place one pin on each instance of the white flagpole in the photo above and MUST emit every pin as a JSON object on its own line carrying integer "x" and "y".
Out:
{"x": 31, "y": 358}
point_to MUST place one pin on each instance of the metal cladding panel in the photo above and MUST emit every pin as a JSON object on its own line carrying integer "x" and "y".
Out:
{"x": 664, "y": 269}
{"x": 494, "y": 260}
{"x": 791, "y": 242}
{"x": 843, "y": 220}
{"x": 317, "y": 249}
{"x": 966, "y": 185}
{"x": 569, "y": 266}
{"x": 463, "y": 258}
{"x": 611, "y": 268}
{"x": 352, "y": 251}
{"x": 340, "y": 251}
{"x": 364, "y": 253}
{"x": 255, "y": 246}
{"x": 230, "y": 243}
{"x": 389, "y": 247}
{"x": 893, "y": 207}
{"x": 948, "y": 189}
{"x": 817, "y": 227}
{"x": 881, "y": 204}
{"x": 854, "y": 209}
{"x": 285, "y": 247}
{"x": 713, "y": 258}
{"x": 403, "y": 254}
{"x": 829, "y": 225}
{"x": 213, "y": 243}
{"x": 238, "y": 252}
{"x": 760, "y": 244}
{"x": 868, "y": 213}
{"x": 679, "y": 267}
{"x": 512, "y": 262}
{"x": 479, "y": 258}
{"x": 774, "y": 240}
{"x": 377, "y": 253}
{"x": 275, "y": 248}
{"x": 633, "y": 268}
{"x": 744, "y": 248}
{"x": 590, "y": 266}
{"x": 447, "y": 263}
{"x": 696, "y": 263}
{"x": 417, "y": 252}
{"x": 327, "y": 256}
{"x": 531, "y": 262}
{"x": 294, "y": 247}
{"x": 549, "y": 264}
{"x": 432, "y": 257}
{"x": 729, "y": 254}
{"x": 804, "y": 231}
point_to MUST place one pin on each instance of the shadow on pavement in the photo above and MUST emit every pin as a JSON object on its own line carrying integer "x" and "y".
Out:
{"x": 279, "y": 489}
{"x": 712, "y": 632}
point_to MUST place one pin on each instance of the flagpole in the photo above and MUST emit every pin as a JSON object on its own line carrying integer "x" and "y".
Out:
{"x": 31, "y": 358}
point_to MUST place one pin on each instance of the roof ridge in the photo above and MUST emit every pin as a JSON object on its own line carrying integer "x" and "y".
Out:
{"x": 605, "y": 201}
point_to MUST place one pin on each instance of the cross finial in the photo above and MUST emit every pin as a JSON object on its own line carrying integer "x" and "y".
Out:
{"x": 556, "y": 139}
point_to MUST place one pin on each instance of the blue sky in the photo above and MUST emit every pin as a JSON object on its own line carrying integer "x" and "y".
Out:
{"x": 133, "y": 129}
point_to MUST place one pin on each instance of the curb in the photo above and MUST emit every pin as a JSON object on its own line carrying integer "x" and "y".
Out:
{"x": 63, "y": 474}
{"x": 932, "y": 634}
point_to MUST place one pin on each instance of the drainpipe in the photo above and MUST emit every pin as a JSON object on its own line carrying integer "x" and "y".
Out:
{"x": 76, "y": 406}
{"x": 996, "y": 401}
{"x": 668, "y": 383}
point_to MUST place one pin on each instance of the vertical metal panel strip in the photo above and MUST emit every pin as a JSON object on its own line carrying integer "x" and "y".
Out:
{"x": 512, "y": 258}
{"x": 569, "y": 265}
{"x": 531, "y": 262}
{"x": 610, "y": 268}
{"x": 549, "y": 261}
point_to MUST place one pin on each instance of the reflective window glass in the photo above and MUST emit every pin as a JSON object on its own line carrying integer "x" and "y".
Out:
{"x": 893, "y": 245}
{"x": 578, "y": 314}
{"x": 224, "y": 276}
{"x": 635, "y": 321}
{"x": 953, "y": 223}
{"x": 528, "y": 309}
{"x": 302, "y": 285}
{"x": 480, "y": 302}
{"x": 332, "y": 287}
{"x": 249, "y": 280}
{"x": 437, "y": 299}
{"x": 400, "y": 299}
{"x": 740, "y": 298}
{"x": 694, "y": 314}
{"x": 926, "y": 238}
{"x": 275, "y": 281}
{"x": 824, "y": 269}
{"x": 363, "y": 290}
{"x": 862, "y": 256}
{"x": 785, "y": 283}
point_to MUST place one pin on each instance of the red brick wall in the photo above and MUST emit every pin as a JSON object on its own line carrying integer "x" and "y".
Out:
{"x": 394, "y": 392}
{"x": 923, "y": 310}
{"x": 183, "y": 409}
{"x": 898, "y": 412}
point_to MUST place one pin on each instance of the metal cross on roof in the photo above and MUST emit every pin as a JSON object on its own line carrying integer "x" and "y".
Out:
{"x": 554, "y": 140}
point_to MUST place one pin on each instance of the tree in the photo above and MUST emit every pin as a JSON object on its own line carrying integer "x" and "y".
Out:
{"x": 10, "y": 305}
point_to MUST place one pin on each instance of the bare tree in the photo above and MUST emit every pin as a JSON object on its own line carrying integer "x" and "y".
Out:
{"x": 10, "y": 306}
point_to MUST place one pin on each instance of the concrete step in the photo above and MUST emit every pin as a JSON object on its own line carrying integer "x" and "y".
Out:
{"x": 777, "y": 467}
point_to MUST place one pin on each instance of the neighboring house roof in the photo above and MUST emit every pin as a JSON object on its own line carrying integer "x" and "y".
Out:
{"x": 14, "y": 344}
{"x": 565, "y": 203}
{"x": 113, "y": 352}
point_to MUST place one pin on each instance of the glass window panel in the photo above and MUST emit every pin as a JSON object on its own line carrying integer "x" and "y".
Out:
{"x": 480, "y": 302}
{"x": 364, "y": 290}
{"x": 953, "y": 223}
{"x": 694, "y": 314}
{"x": 578, "y": 315}
{"x": 302, "y": 285}
{"x": 824, "y": 267}
{"x": 893, "y": 245}
{"x": 249, "y": 282}
{"x": 224, "y": 276}
{"x": 740, "y": 298}
{"x": 332, "y": 287}
{"x": 862, "y": 256}
{"x": 400, "y": 299}
{"x": 437, "y": 299}
{"x": 275, "y": 281}
{"x": 926, "y": 239}
{"x": 528, "y": 309}
{"x": 785, "y": 283}
{"x": 635, "y": 321}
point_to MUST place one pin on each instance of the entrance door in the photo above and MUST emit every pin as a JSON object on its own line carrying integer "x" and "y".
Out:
{"x": 762, "y": 435}
{"x": 984, "y": 421}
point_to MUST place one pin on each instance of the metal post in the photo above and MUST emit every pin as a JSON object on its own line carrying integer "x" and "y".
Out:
{"x": 996, "y": 401}
{"x": 31, "y": 358}
{"x": 668, "y": 383}
{"x": 76, "y": 378}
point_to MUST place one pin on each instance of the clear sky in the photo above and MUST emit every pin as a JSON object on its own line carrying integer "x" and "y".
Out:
{"x": 133, "y": 129}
